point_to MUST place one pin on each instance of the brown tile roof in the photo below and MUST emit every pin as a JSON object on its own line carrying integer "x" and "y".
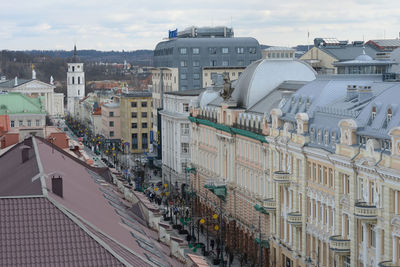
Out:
{"x": 36, "y": 233}
{"x": 95, "y": 206}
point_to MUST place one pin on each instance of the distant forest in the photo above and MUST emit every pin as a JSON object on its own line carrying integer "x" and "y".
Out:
{"x": 138, "y": 57}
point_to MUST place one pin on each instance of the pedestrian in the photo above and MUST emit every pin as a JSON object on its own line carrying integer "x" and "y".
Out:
{"x": 241, "y": 260}
{"x": 226, "y": 251}
{"x": 231, "y": 256}
{"x": 245, "y": 258}
{"x": 187, "y": 213}
{"x": 212, "y": 244}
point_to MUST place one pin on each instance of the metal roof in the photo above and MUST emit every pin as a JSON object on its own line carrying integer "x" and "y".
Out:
{"x": 17, "y": 103}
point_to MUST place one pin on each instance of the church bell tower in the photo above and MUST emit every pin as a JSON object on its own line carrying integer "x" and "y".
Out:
{"x": 75, "y": 82}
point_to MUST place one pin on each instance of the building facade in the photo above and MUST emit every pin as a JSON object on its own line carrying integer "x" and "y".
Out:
{"x": 204, "y": 47}
{"x": 176, "y": 135}
{"x": 214, "y": 75}
{"x": 322, "y": 166}
{"x": 136, "y": 120}
{"x": 110, "y": 121}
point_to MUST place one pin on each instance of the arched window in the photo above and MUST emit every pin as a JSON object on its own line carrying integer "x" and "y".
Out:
{"x": 73, "y": 80}
{"x": 73, "y": 68}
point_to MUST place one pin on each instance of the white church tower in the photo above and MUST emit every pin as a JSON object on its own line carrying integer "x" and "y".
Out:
{"x": 75, "y": 82}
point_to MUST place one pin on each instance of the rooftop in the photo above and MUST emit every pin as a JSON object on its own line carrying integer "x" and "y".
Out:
{"x": 16, "y": 103}
{"x": 89, "y": 223}
{"x": 194, "y": 92}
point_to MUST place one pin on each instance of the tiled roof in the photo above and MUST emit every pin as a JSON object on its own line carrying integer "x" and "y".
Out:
{"x": 36, "y": 233}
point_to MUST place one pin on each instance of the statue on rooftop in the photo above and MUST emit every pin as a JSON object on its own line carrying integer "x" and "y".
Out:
{"x": 228, "y": 89}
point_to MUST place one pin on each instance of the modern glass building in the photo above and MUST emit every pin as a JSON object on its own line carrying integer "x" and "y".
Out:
{"x": 195, "y": 48}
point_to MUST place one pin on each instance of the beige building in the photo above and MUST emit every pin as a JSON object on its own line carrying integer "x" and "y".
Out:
{"x": 278, "y": 52}
{"x": 163, "y": 80}
{"x": 110, "y": 121}
{"x": 323, "y": 170}
{"x": 136, "y": 120}
{"x": 211, "y": 74}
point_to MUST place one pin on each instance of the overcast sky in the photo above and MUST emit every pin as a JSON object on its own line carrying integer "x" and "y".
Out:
{"x": 130, "y": 25}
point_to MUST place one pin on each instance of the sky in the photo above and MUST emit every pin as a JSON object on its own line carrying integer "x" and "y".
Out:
{"x": 130, "y": 25}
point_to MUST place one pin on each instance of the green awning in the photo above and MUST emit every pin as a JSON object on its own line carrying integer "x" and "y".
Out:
{"x": 260, "y": 209}
{"x": 264, "y": 243}
{"x": 219, "y": 191}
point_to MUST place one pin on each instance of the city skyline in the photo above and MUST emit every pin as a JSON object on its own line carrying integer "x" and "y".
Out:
{"x": 141, "y": 25}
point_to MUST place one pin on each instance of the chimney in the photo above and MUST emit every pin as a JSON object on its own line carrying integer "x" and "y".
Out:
{"x": 351, "y": 92}
{"x": 364, "y": 92}
{"x": 25, "y": 154}
{"x": 57, "y": 186}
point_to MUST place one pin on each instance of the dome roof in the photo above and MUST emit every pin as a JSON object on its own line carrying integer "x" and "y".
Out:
{"x": 261, "y": 77}
{"x": 364, "y": 57}
{"x": 207, "y": 97}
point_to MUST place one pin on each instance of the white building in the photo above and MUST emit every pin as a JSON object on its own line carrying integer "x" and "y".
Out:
{"x": 53, "y": 103}
{"x": 75, "y": 82}
{"x": 175, "y": 134}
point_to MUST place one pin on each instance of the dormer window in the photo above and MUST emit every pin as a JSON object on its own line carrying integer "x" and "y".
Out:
{"x": 333, "y": 138}
{"x": 326, "y": 137}
{"x": 312, "y": 134}
{"x": 389, "y": 115}
{"x": 373, "y": 115}
{"x": 308, "y": 104}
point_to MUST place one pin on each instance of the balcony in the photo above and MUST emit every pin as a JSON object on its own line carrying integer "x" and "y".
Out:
{"x": 388, "y": 264}
{"x": 269, "y": 204}
{"x": 282, "y": 178}
{"x": 294, "y": 218}
{"x": 339, "y": 244}
{"x": 365, "y": 212}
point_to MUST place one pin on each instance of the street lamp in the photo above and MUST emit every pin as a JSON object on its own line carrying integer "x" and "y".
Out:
{"x": 261, "y": 242}
{"x": 219, "y": 189}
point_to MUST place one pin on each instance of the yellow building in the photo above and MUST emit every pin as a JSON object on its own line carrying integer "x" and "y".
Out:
{"x": 210, "y": 74}
{"x": 136, "y": 120}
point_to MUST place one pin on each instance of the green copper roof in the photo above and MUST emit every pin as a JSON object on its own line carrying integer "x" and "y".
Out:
{"x": 16, "y": 103}
{"x": 229, "y": 129}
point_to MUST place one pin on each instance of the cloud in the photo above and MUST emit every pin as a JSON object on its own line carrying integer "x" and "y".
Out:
{"x": 139, "y": 24}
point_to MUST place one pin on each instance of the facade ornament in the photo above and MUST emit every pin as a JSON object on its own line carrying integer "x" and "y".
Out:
{"x": 226, "y": 94}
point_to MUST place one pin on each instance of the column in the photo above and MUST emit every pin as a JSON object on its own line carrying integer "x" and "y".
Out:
{"x": 378, "y": 244}
{"x": 394, "y": 254}
{"x": 365, "y": 242}
{"x": 284, "y": 215}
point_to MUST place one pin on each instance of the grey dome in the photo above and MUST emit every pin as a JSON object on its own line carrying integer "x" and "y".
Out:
{"x": 261, "y": 77}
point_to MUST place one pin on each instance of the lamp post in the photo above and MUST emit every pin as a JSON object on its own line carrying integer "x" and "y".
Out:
{"x": 261, "y": 242}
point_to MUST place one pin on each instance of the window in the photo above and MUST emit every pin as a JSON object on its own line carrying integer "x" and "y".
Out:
{"x": 29, "y": 123}
{"x": 133, "y": 125}
{"x": 196, "y": 63}
{"x": 225, "y": 63}
{"x": 239, "y": 50}
{"x": 134, "y": 141}
{"x": 144, "y": 114}
{"x": 20, "y": 123}
{"x": 240, "y": 62}
{"x": 183, "y": 76}
{"x": 73, "y": 80}
{"x": 144, "y": 141}
{"x": 183, "y": 63}
{"x": 184, "y": 166}
{"x": 185, "y": 148}
{"x": 225, "y": 50}
{"x": 196, "y": 76}
{"x": 111, "y": 124}
{"x": 144, "y": 104}
{"x": 111, "y": 114}
{"x": 213, "y": 62}
{"x": 183, "y": 51}
{"x": 195, "y": 51}
{"x": 372, "y": 237}
{"x": 252, "y": 50}
{"x": 133, "y": 104}
{"x": 73, "y": 68}
{"x": 144, "y": 125}
{"x": 37, "y": 122}
{"x": 389, "y": 115}
{"x": 79, "y": 80}
{"x": 12, "y": 124}
{"x": 133, "y": 114}
{"x": 79, "y": 92}
{"x": 111, "y": 133}
{"x": 212, "y": 50}
{"x": 185, "y": 129}
{"x": 185, "y": 107}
